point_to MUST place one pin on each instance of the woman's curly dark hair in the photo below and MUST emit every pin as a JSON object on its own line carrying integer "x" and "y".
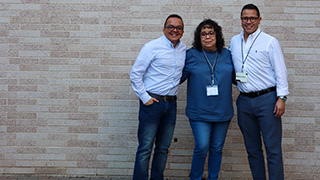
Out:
{"x": 217, "y": 29}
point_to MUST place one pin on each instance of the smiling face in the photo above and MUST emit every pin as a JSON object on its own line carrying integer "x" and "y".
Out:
{"x": 173, "y": 34}
{"x": 208, "y": 39}
{"x": 248, "y": 26}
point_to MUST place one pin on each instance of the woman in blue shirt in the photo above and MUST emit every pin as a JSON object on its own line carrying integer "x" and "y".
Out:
{"x": 209, "y": 71}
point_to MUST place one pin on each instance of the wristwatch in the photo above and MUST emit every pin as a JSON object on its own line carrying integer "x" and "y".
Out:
{"x": 284, "y": 98}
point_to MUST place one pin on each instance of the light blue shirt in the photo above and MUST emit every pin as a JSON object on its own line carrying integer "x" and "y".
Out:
{"x": 261, "y": 57}
{"x": 158, "y": 68}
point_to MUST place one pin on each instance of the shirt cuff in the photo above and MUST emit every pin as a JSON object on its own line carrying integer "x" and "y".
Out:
{"x": 282, "y": 93}
{"x": 145, "y": 97}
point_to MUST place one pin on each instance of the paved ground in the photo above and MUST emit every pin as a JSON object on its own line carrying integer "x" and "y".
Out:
{"x": 55, "y": 178}
{"x": 4, "y": 177}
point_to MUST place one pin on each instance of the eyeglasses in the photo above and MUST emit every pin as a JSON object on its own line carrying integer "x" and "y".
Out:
{"x": 252, "y": 19}
{"x": 204, "y": 34}
{"x": 171, "y": 28}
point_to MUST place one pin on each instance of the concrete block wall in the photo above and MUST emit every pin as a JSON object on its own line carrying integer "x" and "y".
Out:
{"x": 66, "y": 103}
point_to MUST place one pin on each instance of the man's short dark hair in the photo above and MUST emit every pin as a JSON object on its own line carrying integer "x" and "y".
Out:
{"x": 172, "y": 16}
{"x": 251, "y": 6}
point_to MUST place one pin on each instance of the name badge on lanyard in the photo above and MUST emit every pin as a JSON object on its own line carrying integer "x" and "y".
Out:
{"x": 242, "y": 77}
{"x": 212, "y": 90}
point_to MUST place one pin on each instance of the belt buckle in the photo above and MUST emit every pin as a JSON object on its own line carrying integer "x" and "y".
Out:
{"x": 166, "y": 99}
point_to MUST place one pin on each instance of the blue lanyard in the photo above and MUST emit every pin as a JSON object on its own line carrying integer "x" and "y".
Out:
{"x": 243, "y": 61}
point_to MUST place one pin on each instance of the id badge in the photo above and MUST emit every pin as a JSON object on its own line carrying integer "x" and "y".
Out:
{"x": 212, "y": 90}
{"x": 242, "y": 77}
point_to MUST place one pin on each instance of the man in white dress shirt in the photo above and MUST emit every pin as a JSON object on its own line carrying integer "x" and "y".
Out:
{"x": 155, "y": 77}
{"x": 261, "y": 77}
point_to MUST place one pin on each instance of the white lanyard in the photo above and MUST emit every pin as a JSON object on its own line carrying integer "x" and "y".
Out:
{"x": 243, "y": 61}
{"x": 211, "y": 66}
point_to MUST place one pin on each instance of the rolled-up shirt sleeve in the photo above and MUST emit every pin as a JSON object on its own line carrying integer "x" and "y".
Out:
{"x": 280, "y": 70}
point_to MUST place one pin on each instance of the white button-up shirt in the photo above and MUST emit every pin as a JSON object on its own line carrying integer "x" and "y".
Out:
{"x": 261, "y": 57}
{"x": 158, "y": 68}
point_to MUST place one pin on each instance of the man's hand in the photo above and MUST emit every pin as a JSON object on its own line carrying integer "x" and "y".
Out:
{"x": 151, "y": 101}
{"x": 279, "y": 108}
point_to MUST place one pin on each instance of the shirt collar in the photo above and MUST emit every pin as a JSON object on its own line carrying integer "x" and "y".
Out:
{"x": 169, "y": 42}
{"x": 251, "y": 36}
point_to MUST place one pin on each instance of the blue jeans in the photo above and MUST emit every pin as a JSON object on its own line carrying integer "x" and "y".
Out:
{"x": 256, "y": 119}
{"x": 156, "y": 126}
{"x": 209, "y": 136}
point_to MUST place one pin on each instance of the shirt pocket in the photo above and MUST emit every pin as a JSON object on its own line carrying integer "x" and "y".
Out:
{"x": 261, "y": 58}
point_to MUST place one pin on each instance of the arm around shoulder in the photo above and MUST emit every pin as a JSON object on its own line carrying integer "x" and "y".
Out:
{"x": 186, "y": 69}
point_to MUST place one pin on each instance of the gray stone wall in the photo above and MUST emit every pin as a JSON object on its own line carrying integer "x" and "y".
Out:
{"x": 66, "y": 103}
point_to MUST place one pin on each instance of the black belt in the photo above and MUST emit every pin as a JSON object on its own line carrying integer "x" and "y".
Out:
{"x": 163, "y": 98}
{"x": 258, "y": 93}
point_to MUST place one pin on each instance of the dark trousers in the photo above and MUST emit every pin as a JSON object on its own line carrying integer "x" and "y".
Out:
{"x": 156, "y": 126}
{"x": 256, "y": 119}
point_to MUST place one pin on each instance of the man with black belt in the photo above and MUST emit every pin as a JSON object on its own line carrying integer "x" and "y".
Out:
{"x": 155, "y": 77}
{"x": 262, "y": 80}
